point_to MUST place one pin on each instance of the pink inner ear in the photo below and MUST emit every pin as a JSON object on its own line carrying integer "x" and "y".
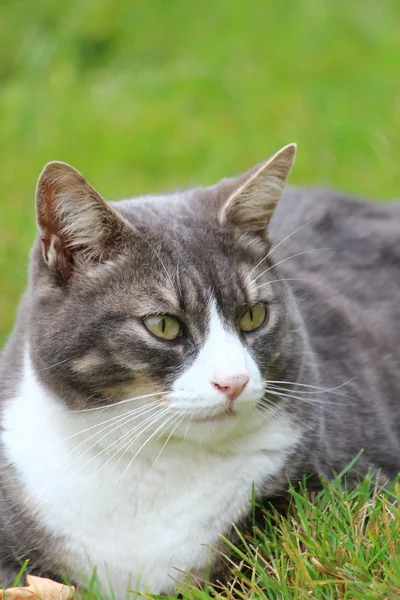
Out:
{"x": 47, "y": 217}
{"x": 76, "y": 225}
{"x": 55, "y": 249}
{"x": 58, "y": 257}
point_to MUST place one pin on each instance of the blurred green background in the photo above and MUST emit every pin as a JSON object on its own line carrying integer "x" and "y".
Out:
{"x": 152, "y": 95}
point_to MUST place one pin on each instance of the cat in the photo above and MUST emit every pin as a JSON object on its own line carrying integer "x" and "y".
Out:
{"x": 172, "y": 354}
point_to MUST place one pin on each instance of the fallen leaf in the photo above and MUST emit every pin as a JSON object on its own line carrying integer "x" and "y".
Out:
{"x": 39, "y": 588}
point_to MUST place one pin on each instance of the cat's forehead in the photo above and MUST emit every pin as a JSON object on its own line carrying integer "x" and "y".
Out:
{"x": 184, "y": 255}
{"x": 178, "y": 210}
{"x": 188, "y": 222}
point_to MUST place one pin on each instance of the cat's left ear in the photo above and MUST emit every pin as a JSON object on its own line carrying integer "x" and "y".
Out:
{"x": 77, "y": 227}
{"x": 252, "y": 205}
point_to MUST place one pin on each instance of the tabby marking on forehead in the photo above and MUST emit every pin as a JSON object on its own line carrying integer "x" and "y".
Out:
{"x": 251, "y": 286}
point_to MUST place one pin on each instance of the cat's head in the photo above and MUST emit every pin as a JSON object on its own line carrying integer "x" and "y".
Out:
{"x": 174, "y": 295}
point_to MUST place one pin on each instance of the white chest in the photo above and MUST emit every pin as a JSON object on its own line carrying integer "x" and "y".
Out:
{"x": 140, "y": 522}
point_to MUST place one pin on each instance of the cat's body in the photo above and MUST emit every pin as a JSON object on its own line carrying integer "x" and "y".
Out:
{"x": 328, "y": 348}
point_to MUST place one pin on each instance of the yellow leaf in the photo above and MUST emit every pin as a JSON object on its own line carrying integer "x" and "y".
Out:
{"x": 39, "y": 588}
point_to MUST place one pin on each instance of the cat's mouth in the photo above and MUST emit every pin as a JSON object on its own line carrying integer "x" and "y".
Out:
{"x": 219, "y": 417}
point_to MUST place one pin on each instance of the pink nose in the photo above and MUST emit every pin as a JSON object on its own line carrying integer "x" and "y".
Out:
{"x": 233, "y": 386}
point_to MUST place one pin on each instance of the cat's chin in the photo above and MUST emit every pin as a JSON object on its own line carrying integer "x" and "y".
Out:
{"x": 220, "y": 417}
{"x": 216, "y": 430}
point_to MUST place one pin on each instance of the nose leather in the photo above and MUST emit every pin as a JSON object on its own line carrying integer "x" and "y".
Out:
{"x": 232, "y": 386}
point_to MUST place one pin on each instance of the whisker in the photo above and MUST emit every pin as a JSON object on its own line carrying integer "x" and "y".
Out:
{"x": 297, "y": 279}
{"x": 313, "y": 387}
{"x": 268, "y": 408}
{"x": 115, "y": 443}
{"x": 187, "y": 428}
{"x": 307, "y": 393}
{"x": 122, "y": 420}
{"x": 60, "y": 362}
{"x": 264, "y": 413}
{"x": 137, "y": 436}
{"x": 273, "y": 411}
{"x": 162, "y": 264}
{"x": 277, "y": 246}
{"x": 289, "y": 258}
{"x": 115, "y": 418}
{"x": 126, "y": 445}
{"x": 119, "y": 402}
{"x": 103, "y": 465}
{"x": 312, "y": 401}
{"x": 178, "y": 281}
{"x": 140, "y": 449}
{"x": 179, "y": 419}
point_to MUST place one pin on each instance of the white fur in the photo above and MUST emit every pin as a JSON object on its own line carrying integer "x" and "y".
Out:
{"x": 137, "y": 516}
{"x": 223, "y": 356}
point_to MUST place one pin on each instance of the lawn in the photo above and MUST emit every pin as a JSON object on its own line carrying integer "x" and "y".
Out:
{"x": 147, "y": 96}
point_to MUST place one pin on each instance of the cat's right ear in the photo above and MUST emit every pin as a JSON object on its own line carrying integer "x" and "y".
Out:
{"x": 252, "y": 205}
{"x": 76, "y": 226}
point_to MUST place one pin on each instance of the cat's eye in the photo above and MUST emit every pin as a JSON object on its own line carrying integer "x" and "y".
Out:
{"x": 253, "y": 318}
{"x": 163, "y": 326}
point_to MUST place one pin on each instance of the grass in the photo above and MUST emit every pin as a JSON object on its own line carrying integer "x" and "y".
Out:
{"x": 146, "y": 96}
{"x": 336, "y": 544}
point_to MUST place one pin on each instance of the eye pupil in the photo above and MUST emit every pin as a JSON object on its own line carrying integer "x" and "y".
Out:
{"x": 163, "y": 326}
{"x": 251, "y": 314}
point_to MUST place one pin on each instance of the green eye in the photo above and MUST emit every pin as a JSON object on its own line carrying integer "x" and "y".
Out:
{"x": 253, "y": 318}
{"x": 163, "y": 326}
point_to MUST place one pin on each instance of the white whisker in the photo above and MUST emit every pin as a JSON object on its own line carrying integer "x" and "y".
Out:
{"x": 115, "y": 443}
{"x": 140, "y": 449}
{"x": 126, "y": 445}
{"x": 106, "y": 463}
{"x": 51, "y": 366}
{"x": 119, "y": 402}
{"x": 116, "y": 418}
{"x": 277, "y": 246}
{"x": 173, "y": 287}
{"x": 187, "y": 428}
{"x": 289, "y": 258}
{"x": 312, "y": 387}
{"x": 306, "y": 393}
{"x": 178, "y": 421}
{"x": 122, "y": 420}
{"x": 268, "y": 410}
{"x": 137, "y": 436}
{"x": 312, "y": 401}
{"x": 296, "y": 279}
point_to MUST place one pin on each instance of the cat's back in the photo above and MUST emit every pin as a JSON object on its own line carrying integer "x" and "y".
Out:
{"x": 349, "y": 244}
{"x": 342, "y": 257}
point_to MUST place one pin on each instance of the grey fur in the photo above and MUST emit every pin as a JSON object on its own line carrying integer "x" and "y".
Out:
{"x": 338, "y": 326}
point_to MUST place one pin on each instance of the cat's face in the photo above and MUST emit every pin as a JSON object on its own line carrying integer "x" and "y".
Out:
{"x": 172, "y": 301}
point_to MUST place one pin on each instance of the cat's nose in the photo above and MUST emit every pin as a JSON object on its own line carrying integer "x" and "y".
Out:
{"x": 232, "y": 386}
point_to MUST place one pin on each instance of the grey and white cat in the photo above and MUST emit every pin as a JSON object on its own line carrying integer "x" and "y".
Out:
{"x": 171, "y": 352}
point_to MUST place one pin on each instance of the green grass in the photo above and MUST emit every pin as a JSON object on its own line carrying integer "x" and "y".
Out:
{"x": 146, "y": 96}
{"x": 331, "y": 545}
